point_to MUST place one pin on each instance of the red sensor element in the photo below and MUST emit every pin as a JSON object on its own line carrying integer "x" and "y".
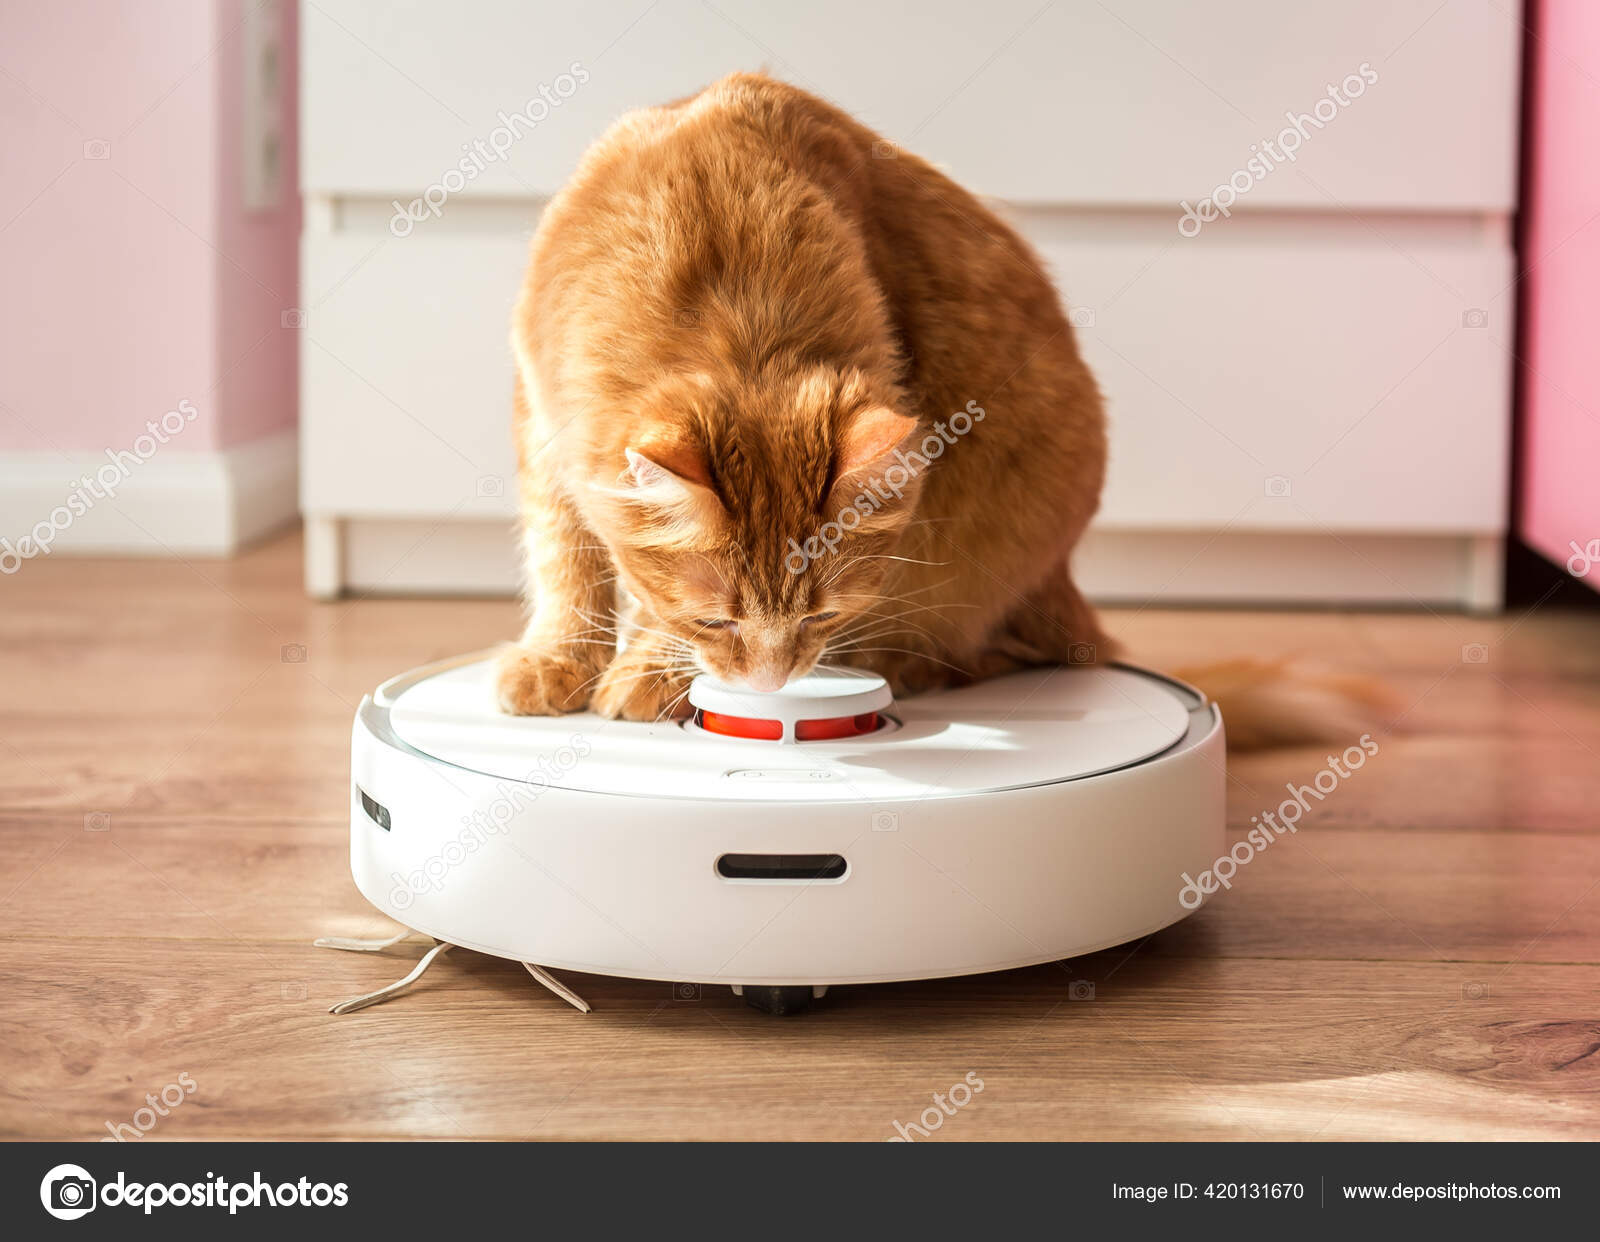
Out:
{"x": 839, "y": 726}
{"x": 741, "y": 726}
{"x": 825, "y": 705}
{"x": 804, "y": 730}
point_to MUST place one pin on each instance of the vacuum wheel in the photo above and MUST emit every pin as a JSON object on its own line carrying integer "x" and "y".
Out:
{"x": 784, "y": 1002}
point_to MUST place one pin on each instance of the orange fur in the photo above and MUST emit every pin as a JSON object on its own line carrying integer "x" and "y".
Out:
{"x": 738, "y": 321}
{"x": 735, "y": 317}
{"x": 1268, "y": 703}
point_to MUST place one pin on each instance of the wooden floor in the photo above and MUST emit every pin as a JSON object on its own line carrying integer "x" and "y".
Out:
{"x": 1421, "y": 960}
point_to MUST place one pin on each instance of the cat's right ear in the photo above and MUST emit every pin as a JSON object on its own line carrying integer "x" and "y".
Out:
{"x": 869, "y": 440}
{"x": 666, "y": 487}
{"x": 666, "y": 465}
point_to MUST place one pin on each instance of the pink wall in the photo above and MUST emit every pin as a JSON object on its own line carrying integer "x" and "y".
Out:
{"x": 258, "y": 356}
{"x": 136, "y": 278}
{"x": 1561, "y": 409}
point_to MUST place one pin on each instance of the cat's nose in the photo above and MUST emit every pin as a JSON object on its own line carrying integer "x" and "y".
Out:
{"x": 769, "y": 677}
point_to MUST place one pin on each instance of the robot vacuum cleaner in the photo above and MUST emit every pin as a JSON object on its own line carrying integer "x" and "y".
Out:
{"x": 783, "y": 843}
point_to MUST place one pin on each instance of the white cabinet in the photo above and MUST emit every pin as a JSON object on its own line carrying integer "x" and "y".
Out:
{"x": 1312, "y": 395}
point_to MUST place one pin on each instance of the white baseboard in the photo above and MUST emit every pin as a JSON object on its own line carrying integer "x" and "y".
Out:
{"x": 176, "y": 502}
{"x": 382, "y": 556}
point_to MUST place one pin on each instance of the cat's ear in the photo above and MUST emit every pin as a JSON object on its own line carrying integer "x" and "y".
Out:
{"x": 869, "y": 439}
{"x": 665, "y": 490}
{"x": 668, "y": 469}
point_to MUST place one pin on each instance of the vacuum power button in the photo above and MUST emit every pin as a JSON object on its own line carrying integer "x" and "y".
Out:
{"x": 797, "y": 776}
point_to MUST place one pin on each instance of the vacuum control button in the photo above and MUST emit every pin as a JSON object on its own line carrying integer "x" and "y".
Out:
{"x": 789, "y": 775}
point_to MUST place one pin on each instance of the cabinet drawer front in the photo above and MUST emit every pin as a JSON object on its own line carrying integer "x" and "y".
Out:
{"x": 406, "y": 375}
{"x": 1337, "y": 385}
{"x": 1347, "y": 385}
{"x": 1149, "y": 102}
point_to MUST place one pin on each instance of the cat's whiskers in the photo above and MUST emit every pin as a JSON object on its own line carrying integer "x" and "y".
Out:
{"x": 917, "y": 607}
{"x": 596, "y": 624}
{"x": 888, "y": 556}
{"x": 873, "y": 622}
{"x": 871, "y": 626}
{"x": 916, "y": 655}
{"x": 655, "y": 671}
{"x": 905, "y": 603}
{"x": 671, "y": 707}
{"x": 672, "y": 641}
{"x": 898, "y": 595}
{"x": 857, "y": 644}
{"x": 593, "y": 629}
{"x": 891, "y": 620}
{"x": 860, "y": 642}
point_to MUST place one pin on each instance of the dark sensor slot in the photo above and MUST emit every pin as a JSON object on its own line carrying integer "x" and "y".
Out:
{"x": 781, "y": 866}
{"x": 376, "y": 811}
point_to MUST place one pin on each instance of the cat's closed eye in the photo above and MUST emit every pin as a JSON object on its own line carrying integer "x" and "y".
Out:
{"x": 716, "y": 623}
{"x": 818, "y": 618}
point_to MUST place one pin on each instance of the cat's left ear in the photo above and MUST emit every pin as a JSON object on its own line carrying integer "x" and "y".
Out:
{"x": 870, "y": 438}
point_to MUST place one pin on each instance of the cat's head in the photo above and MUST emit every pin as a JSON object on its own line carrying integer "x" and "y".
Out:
{"x": 756, "y": 522}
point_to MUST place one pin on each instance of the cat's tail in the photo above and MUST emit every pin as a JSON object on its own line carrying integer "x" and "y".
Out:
{"x": 1267, "y": 703}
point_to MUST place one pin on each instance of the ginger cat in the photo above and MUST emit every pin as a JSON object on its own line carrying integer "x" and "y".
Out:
{"x": 786, "y": 393}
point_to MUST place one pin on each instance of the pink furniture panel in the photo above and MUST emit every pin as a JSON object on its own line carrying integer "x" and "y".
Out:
{"x": 1560, "y": 509}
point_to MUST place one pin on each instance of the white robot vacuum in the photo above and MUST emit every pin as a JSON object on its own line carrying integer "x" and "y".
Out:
{"x": 784, "y": 843}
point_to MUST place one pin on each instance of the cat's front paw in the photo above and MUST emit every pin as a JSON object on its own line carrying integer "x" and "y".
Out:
{"x": 642, "y": 690}
{"x": 534, "y": 681}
